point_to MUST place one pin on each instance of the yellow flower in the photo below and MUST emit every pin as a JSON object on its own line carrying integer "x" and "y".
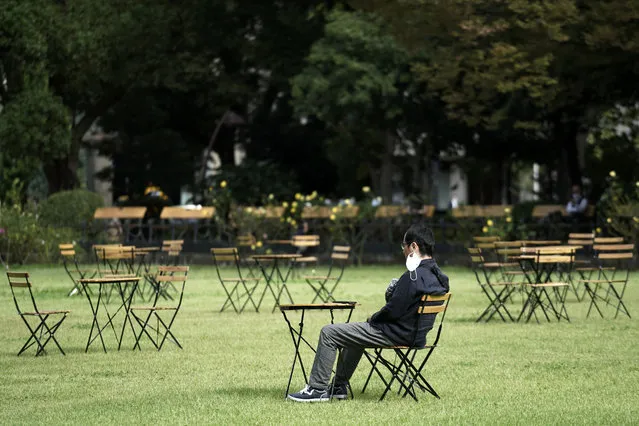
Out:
{"x": 293, "y": 223}
{"x": 489, "y": 222}
{"x": 269, "y": 251}
{"x": 334, "y": 210}
{"x": 509, "y": 219}
{"x": 271, "y": 196}
{"x": 285, "y": 204}
{"x": 598, "y": 230}
{"x": 507, "y": 210}
{"x": 348, "y": 202}
{"x": 366, "y": 189}
{"x": 332, "y": 217}
{"x": 223, "y": 184}
{"x": 294, "y": 204}
{"x": 609, "y": 220}
{"x": 258, "y": 244}
{"x": 636, "y": 219}
{"x": 637, "y": 184}
{"x": 252, "y": 246}
{"x": 314, "y": 194}
{"x": 484, "y": 229}
{"x": 298, "y": 196}
{"x": 248, "y": 210}
{"x": 293, "y": 209}
{"x": 210, "y": 188}
{"x": 288, "y": 219}
{"x": 612, "y": 174}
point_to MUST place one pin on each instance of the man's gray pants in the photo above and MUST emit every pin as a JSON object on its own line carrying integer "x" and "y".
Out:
{"x": 352, "y": 338}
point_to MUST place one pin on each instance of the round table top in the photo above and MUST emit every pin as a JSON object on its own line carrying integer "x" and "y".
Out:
{"x": 276, "y": 256}
{"x": 317, "y": 306}
{"x": 108, "y": 280}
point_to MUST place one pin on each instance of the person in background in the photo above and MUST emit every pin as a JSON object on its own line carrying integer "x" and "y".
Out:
{"x": 578, "y": 203}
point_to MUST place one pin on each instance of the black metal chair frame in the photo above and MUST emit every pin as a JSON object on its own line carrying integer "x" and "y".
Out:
{"x": 72, "y": 267}
{"x": 497, "y": 299}
{"x": 43, "y": 332}
{"x": 236, "y": 288}
{"x": 320, "y": 283}
{"x": 614, "y": 278}
{"x": 408, "y": 373}
{"x": 162, "y": 328}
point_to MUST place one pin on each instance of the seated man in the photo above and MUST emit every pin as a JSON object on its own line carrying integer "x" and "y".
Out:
{"x": 578, "y": 203}
{"x": 397, "y": 323}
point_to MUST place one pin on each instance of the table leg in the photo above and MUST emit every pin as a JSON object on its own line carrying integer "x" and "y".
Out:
{"x": 297, "y": 356}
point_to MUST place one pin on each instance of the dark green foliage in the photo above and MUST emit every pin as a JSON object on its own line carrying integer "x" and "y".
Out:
{"x": 72, "y": 209}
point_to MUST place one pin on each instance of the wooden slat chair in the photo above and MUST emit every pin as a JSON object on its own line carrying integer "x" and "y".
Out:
{"x": 324, "y": 285}
{"x": 72, "y": 266}
{"x": 584, "y": 267}
{"x": 41, "y": 324}
{"x": 496, "y": 291}
{"x": 552, "y": 267}
{"x": 586, "y": 272}
{"x": 302, "y": 243}
{"x": 172, "y": 252}
{"x": 164, "y": 314}
{"x": 404, "y": 366}
{"x": 615, "y": 278}
{"x": 239, "y": 289}
{"x": 487, "y": 245}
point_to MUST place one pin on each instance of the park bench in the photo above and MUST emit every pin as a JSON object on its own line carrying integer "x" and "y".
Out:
{"x": 180, "y": 220}
{"x": 121, "y": 222}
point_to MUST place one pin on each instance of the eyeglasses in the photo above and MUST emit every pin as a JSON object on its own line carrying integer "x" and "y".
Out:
{"x": 404, "y": 245}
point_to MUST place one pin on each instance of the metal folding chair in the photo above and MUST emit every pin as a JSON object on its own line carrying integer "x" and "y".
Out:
{"x": 615, "y": 262}
{"x": 164, "y": 315}
{"x": 41, "y": 324}
{"x": 172, "y": 252}
{"x": 305, "y": 244}
{"x": 245, "y": 245}
{"x": 496, "y": 291}
{"x": 72, "y": 266}
{"x": 239, "y": 289}
{"x": 549, "y": 270}
{"x": 324, "y": 285}
{"x": 404, "y": 367}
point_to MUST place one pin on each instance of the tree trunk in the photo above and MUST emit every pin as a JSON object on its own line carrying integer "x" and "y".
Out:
{"x": 386, "y": 171}
{"x": 62, "y": 173}
{"x": 566, "y": 129}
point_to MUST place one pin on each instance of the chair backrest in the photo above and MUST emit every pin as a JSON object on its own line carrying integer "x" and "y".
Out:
{"x": 245, "y": 240}
{"x": 21, "y": 291}
{"x": 172, "y": 247}
{"x": 171, "y": 274}
{"x": 305, "y": 241}
{"x": 551, "y": 254}
{"x": 507, "y": 249}
{"x": 438, "y": 305}
{"x": 477, "y": 261}
{"x": 608, "y": 240}
{"x": 227, "y": 256}
{"x": 621, "y": 256}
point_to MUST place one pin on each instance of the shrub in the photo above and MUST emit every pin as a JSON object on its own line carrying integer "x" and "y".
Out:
{"x": 23, "y": 239}
{"x": 70, "y": 209}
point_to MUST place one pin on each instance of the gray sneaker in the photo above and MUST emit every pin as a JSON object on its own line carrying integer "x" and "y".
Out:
{"x": 309, "y": 394}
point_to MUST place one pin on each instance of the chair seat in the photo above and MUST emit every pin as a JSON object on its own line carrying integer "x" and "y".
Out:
{"x": 46, "y": 312}
{"x": 306, "y": 259}
{"x": 548, "y": 285}
{"x": 601, "y": 281}
{"x": 407, "y": 347}
{"x": 504, "y": 283}
{"x": 153, "y": 308}
{"x": 492, "y": 265}
{"x": 318, "y": 277}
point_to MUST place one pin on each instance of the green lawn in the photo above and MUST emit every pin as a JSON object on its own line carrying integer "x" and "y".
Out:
{"x": 234, "y": 368}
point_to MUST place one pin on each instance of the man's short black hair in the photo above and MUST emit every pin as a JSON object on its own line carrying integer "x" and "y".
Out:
{"x": 422, "y": 236}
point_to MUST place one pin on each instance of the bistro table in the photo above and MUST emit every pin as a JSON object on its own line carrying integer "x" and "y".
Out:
{"x": 275, "y": 280}
{"x": 125, "y": 286}
{"x": 296, "y": 333}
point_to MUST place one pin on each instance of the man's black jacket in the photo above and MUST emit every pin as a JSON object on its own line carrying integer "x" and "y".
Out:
{"x": 398, "y": 319}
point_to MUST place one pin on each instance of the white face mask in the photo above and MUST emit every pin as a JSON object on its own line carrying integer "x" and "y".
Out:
{"x": 412, "y": 262}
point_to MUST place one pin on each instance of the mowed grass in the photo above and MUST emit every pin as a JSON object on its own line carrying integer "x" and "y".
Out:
{"x": 234, "y": 368}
